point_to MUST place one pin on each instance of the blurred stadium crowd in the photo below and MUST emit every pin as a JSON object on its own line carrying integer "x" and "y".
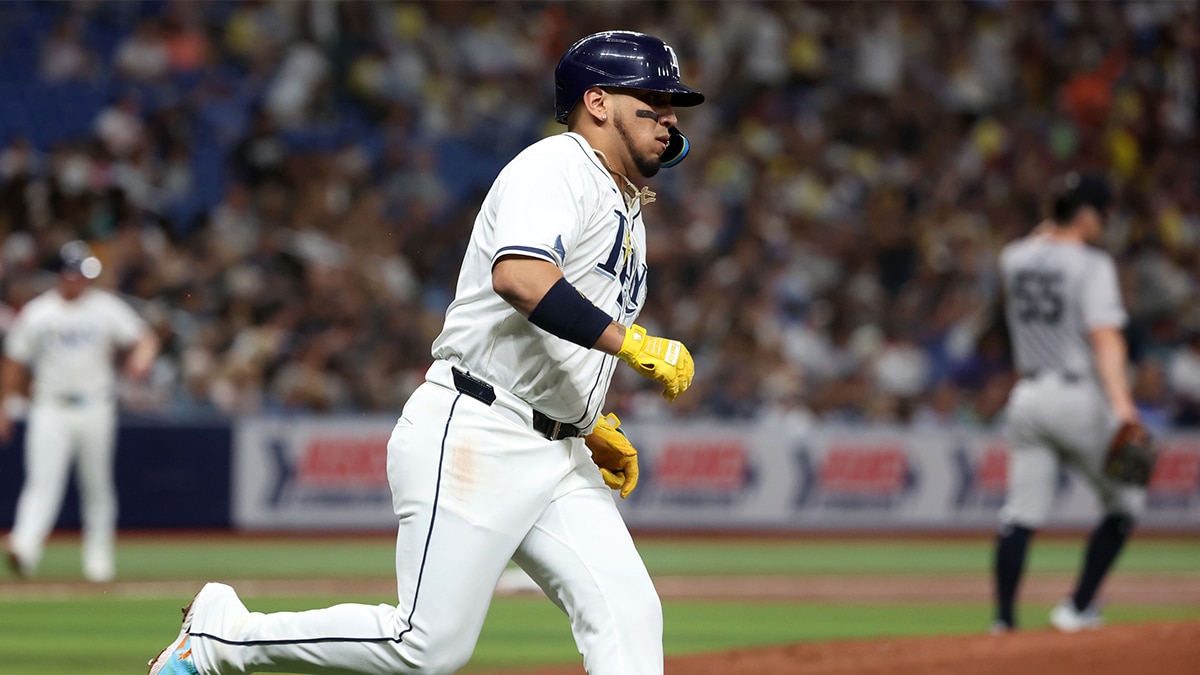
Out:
{"x": 287, "y": 188}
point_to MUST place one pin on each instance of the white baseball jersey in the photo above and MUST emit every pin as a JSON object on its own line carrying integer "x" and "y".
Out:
{"x": 554, "y": 201}
{"x": 1055, "y": 293}
{"x": 452, "y": 456}
{"x": 69, "y": 346}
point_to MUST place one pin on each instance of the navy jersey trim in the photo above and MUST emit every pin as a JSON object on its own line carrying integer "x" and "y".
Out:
{"x": 610, "y": 365}
{"x": 526, "y": 251}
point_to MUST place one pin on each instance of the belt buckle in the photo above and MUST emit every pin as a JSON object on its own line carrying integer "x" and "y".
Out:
{"x": 554, "y": 430}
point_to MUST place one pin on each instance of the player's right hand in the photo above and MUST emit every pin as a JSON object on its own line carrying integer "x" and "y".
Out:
{"x": 665, "y": 361}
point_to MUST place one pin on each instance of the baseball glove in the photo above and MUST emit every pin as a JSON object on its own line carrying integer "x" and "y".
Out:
{"x": 1131, "y": 455}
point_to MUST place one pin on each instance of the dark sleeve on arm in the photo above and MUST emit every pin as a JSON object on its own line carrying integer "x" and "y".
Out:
{"x": 564, "y": 312}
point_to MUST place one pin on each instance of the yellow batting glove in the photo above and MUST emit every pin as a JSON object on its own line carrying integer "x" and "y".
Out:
{"x": 665, "y": 361}
{"x": 614, "y": 454}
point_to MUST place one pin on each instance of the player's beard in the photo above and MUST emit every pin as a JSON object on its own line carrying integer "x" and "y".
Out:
{"x": 646, "y": 166}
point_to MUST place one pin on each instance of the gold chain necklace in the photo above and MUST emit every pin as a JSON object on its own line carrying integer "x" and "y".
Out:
{"x": 644, "y": 195}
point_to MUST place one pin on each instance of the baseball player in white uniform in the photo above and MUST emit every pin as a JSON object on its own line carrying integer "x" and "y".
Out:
{"x": 490, "y": 459}
{"x": 1064, "y": 314}
{"x": 65, "y": 341}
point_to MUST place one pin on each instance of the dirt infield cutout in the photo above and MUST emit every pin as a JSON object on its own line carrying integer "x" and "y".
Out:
{"x": 1128, "y": 649}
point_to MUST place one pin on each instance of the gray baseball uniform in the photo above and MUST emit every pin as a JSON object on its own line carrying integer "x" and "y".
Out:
{"x": 1055, "y": 293}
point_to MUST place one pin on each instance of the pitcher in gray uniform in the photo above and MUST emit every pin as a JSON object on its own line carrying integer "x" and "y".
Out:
{"x": 1064, "y": 314}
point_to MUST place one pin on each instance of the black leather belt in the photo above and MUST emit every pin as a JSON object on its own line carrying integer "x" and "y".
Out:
{"x": 483, "y": 392}
{"x": 1068, "y": 377}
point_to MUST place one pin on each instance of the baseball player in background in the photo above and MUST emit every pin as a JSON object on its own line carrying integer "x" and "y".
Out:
{"x": 1064, "y": 315}
{"x": 490, "y": 459}
{"x": 61, "y": 349}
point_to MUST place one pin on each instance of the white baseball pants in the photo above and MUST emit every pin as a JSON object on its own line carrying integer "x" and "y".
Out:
{"x": 56, "y": 436}
{"x": 472, "y": 489}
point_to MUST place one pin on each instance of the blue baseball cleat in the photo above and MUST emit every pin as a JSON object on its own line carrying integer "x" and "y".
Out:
{"x": 176, "y": 659}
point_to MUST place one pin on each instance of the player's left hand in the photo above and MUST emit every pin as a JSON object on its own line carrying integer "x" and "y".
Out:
{"x": 614, "y": 454}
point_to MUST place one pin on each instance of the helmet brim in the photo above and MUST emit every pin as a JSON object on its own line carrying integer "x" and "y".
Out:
{"x": 682, "y": 96}
{"x": 686, "y": 98}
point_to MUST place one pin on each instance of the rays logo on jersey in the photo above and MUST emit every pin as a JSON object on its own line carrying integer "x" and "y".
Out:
{"x": 625, "y": 266}
{"x": 76, "y": 335}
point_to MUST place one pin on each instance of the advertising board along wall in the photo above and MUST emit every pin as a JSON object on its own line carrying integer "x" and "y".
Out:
{"x": 322, "y": 473}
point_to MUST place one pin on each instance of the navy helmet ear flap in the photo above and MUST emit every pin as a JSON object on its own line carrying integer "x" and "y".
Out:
{"x": 677, "y": 148}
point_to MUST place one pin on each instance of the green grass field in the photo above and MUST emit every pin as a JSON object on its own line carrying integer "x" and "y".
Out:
{"x": 57, "y": 630}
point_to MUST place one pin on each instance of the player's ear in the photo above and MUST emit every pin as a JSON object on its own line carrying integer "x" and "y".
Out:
{"x": 595, "y": 104}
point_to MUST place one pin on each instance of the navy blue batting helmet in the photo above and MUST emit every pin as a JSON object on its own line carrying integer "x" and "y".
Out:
{"x": 619, "y": 58}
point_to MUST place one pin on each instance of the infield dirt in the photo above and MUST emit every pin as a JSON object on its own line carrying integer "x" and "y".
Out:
{"x": 1128, "y": 649}
{"x": 1153, "y": 648}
